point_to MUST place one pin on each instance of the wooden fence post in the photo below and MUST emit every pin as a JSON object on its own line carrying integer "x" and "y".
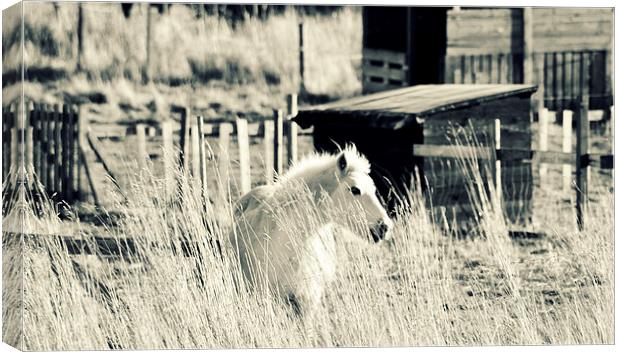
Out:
{"x": 57, "y": 150}
{"x": 543, "y": 136}
{"x": 496, "y": 129}
{"x": 224, "y": 159}
{"x": 77, "y": 138}
{"x": 302, "y": 86}
{"x": 28, "y": 139}
{"x": 203, "y": 161}
{"x": 567, "y": 141}
{"x": 582, "y": 168}
{"x": 268, "y": 141}
{"x": 66, "y": 132}
{"x": 168, "y": 159}
{"x": 196, "y": 158}
{"x": 35, "y": 121}
{"x": 528, "y": 31}
{"x": 46, "y": 123}
{"x": 244, "y": 155}
{"x": 184, "y": 139}
{"x": 141, "y": 147}
{"x": 291, "y": 130}
{"x": 278, "y": 123}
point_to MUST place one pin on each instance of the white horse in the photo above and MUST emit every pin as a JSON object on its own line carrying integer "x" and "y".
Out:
{"x": 284, "y": 233}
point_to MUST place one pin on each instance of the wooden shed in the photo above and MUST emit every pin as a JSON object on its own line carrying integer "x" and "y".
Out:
{"x": 385, "y": 127}
{"x": 546, "y": 46}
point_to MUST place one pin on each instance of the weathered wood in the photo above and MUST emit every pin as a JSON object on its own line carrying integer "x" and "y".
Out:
{"x": 57, "y": 150}
{"x": 497, "y": 165}
{"x": 543, "y": 139}
{"x": 89, "y": 176}
{"x": 302, "y": 86}
{"x": 582, "y": 171}
{"x": 47, "y": 148}
{"x": 278, "y": 145}
{"x": 195, "y": 147}
{"x": 244, "y": 155}
{"x": 202, "y": 161}
{"x": 291, "y": 130}
{"x": 268, "y": 140}
{"x": 96, "y": 148}
{"x": 67, "y": 133}
{"x": 79, "y": 130}
{"x": 402, "y": 107}
{"x": 567, "y": 132}
{"x": 35, "y": 122}
{"x": 528, "y": 45}
{"x": 168, "y": 157}
{"x": 223, "y": 166}
{"x": 143, "y": 156}
{"x": 184, "y": 140}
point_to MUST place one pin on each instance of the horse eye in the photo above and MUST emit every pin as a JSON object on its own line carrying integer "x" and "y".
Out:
{"x": 355, "y": 191}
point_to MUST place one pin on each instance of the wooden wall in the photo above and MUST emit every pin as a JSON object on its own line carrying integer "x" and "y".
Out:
{"x": 478, "y": 31}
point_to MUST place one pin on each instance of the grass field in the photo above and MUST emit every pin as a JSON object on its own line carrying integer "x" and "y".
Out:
{"x": 421, "y": 288}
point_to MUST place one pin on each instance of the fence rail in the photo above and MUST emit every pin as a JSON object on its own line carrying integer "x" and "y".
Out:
{"x": 581, "y": 159}
{"x": 563, "y": 76}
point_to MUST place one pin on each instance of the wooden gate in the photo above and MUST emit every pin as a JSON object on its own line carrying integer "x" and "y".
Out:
{"x": 47, "y": 144}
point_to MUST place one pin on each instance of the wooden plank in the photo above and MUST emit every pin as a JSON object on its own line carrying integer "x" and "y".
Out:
{"x": 450, "y": 151}
{"x": 184, "y": 139}
{"x": 76, "y": 145}
{"x": 543, "y": 139}
{"x": 225, "y": 130}
{"x": 567, "y": 132}
{"x": 35, "y": 122}
{"x": 268, "y": 140}
{"x": 89, "y": 176}
{"x": 384, "y": 55}
{"x": 496, "y": 134}
{"x": 143, "y": 155}
{"x": 195, "y": 147}
{"x": 528, "y": 45}
{"x": 244, "y": 155}
{"x": 385, "y": 72}
{"x": 582, "y": 171}
{"x": 57, "y": 150}
{"x": 291, "y": 128}
{"x": 96, "y": 148}
{"x": 67, "y": 132}
{"x": 202, "y": 161}
{"x": 168, "y": 158}
{"x": 278, "y": 145}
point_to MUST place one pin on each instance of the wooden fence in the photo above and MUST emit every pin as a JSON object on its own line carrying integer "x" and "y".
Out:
{"x": 562, "y": 76}
{"x": 191, "y": 153}
{"x": 46, "y": 141}
{"x": 581, "y": 159}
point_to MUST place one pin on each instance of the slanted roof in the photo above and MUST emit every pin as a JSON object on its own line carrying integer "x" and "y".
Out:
{"x": 398, "y": 108}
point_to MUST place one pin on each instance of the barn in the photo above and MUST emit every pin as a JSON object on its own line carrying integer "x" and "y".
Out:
{"x": 387, "y": 126}
{"x": 546, "y": 47}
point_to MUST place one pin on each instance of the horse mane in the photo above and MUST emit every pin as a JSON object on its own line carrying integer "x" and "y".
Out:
{"x": 317, "y": 163}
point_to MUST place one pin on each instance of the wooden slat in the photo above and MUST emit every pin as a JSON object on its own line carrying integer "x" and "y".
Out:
{"x": 384, "y": 55}
{"x": 278, "y": 145}
{"x": 57, "y": 159}
{"x": 385, "y": 72}
{"x": 224, "y": 160}
{"x": 582, "y": 172}
{"x": 67, "y": 133}
{"x": 567, "y": 134}
{"x": 268, "y": 129}
{"x": 244, "y": 155}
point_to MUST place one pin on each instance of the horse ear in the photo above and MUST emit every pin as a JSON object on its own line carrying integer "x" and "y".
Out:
{"x": 342, "y": 163}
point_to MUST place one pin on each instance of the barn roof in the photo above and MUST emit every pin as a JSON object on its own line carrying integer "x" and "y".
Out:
{"x": 398, "y": 108}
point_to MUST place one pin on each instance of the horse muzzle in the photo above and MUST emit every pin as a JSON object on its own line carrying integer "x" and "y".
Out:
{"x": 380, "y": 231}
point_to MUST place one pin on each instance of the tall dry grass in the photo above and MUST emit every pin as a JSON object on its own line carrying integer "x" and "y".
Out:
{"x": 187, "y": 49}
{"x": 422, "y": 288}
